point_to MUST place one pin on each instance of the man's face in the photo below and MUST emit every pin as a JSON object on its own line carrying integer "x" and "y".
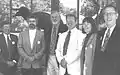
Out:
{"x": 55, "y": 18}
{"x": 71, "y": 23}
{"x": 110, "y": 16}
{"x": 32, "y": 23}
{"x": 6, "y": 29}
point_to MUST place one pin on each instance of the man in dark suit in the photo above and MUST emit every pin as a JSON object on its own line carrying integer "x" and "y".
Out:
{"x": 107, "y": 54}
{"x": 31, "y": 45}
{"x": 8, "y": 51}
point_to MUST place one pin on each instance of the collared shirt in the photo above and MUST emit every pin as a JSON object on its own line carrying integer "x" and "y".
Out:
{"x": 111, "y": 30}
{"x": 32, "y": 36}
{"x": 5, "y": 35}
{"x": 74, "y": 46}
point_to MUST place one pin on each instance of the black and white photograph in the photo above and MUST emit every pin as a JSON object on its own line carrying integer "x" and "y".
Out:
{"x": 59, "y": 37}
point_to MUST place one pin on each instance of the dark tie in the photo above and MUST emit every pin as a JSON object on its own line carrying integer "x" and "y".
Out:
{"x": 66, "y": 43}
{"x": 65, "y": 47}
{"x": 106, "y": 40}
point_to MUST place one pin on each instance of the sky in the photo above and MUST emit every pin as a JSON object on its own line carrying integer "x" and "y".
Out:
{"x": 69, "y": 3}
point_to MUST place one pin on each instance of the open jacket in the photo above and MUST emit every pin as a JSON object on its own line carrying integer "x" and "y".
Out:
{"x": 25, "y": 50}
{"x": 8, "y": 54}
{"x": 87, "y": 55}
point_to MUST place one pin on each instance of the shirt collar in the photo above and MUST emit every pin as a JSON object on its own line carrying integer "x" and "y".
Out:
{"x": 32, "y": 30}
{"x": 6, "y": 34}
{"x": 111, "y": 29}
{"x": 73, "y": 30}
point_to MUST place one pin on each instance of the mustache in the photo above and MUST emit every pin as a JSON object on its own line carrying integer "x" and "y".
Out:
{"x": 32, "y": 24}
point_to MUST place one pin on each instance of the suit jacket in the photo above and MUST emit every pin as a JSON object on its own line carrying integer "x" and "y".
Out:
{"x": 25, "y": 50}
{"x": 47, "y": 33}
{"x": 8, "y": 54}
{"x": 108, "y": 62}
{"x": 87, "y": 55}
{"x": 73, "y": 52}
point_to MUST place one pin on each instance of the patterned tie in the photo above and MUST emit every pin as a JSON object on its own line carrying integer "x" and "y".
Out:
{"x": 66, "y": 43}
{"x": 53, "y": 39}
{"x": 106, "y": 40}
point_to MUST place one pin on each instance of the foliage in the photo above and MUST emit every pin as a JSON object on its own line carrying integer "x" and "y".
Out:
{"x": 38, "y": 5}
{"x": 89, "y": 8}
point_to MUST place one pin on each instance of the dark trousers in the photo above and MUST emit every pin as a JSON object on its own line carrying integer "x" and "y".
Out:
{"x": 6, "y": 70}
{"x": 32, "y": 71}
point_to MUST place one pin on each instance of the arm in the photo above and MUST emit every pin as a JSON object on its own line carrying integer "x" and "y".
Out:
{"x": 59, "y": 50}
{"x": 20, "y": 47}
{"x": 41, "y": 52}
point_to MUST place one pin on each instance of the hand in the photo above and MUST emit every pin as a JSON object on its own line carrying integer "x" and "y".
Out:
{"x": 63, "y": 63}
{"x": 35, "y": 56}
{"x": 10, "y": 63}
{"x": 31, "y": 58}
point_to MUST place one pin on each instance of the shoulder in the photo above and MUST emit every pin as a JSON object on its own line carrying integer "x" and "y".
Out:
{"x": 80, "y": 34}
{"x": 24, "y": 32}
{"x": 40, "y": 31}
{"x": 1, "y": 35}
{"x": 13, "y": 35}
{"x": 63, "y": 34}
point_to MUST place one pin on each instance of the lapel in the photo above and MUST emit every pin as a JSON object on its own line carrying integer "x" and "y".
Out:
{"x": 113, "y": 36}
{"x": 114, "y": 32}
{"x": 4, "y": 40}
{"x": 36, "y": 38}
{"x": 90, "y": 40}
{"x": 28, "y": 38}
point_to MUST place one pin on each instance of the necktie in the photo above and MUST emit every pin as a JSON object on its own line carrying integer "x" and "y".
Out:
{"x": 53, "y": 39}
{"x": 106, "y": 40}
{"x": 66, "y": 43}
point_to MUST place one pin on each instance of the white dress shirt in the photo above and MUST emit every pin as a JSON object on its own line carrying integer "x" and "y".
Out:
{"x": 5, "y": 35}
{"x": 32, "y": 34}
{"x": 73, "y": 52}
{"x": 111, "y": 30}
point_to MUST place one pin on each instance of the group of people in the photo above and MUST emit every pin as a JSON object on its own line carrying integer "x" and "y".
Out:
{"x": 66, "y": 51}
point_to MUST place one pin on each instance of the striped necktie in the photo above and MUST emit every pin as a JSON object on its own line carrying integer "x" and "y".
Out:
{"x": 106, "y": 40}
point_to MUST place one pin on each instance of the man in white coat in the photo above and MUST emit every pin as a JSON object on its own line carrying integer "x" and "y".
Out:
{"x": 68, "y": 52}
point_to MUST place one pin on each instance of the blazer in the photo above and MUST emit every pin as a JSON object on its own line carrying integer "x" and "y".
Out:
{"x": 25, "y": 50}
{"x": 73, "y": 52}
{"x": 87, "y": 55}
{"x": 107, "y": 62}
{"x": 8, "y": 54}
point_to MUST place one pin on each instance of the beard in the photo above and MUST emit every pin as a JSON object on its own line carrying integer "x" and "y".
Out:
{"x": 32, "y": 26}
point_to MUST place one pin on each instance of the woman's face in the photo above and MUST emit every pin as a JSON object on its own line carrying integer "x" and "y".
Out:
{"x": 87, "y": 27}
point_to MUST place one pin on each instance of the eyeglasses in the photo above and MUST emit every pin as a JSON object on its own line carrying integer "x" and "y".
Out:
{"x": 110, "y": 14}
{"x": 32, "y": 20}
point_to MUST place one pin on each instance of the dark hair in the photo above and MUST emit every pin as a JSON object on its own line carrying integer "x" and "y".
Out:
{"x": 32, "y": 16}
{"x": 92, "y": 22}
{"x": 115, "y": 8}
{"x": 71, "y": 15}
